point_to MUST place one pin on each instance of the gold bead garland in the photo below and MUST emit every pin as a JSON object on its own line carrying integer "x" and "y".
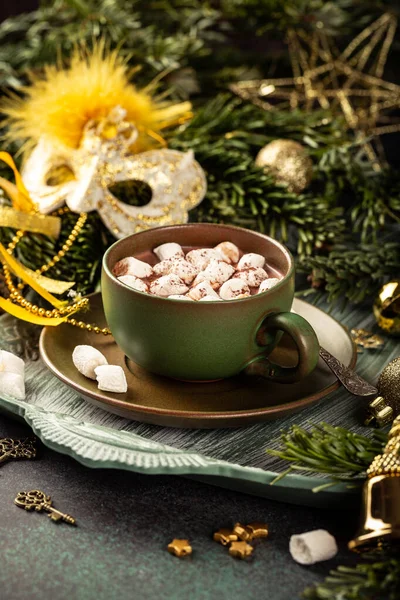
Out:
{"x": 17, "y": 297}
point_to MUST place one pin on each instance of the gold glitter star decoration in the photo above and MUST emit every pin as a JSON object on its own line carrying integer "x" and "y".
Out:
{"x": 348, "y": 83}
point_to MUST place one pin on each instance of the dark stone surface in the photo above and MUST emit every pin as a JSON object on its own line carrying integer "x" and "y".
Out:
{"x": 125, "y": 522}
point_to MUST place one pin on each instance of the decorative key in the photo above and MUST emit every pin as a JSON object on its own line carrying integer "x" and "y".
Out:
{"x": 37, "y": 500}
{"x": 17, "y": 449}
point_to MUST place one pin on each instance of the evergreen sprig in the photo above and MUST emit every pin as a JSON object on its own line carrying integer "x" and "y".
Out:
{"x": 340, "y": 453}
{"x": 351, "y": 272}
{"x": 366, "y": 581}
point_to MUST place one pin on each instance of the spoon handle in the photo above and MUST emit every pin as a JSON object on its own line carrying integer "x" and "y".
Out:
{"x": 353, "y": 383}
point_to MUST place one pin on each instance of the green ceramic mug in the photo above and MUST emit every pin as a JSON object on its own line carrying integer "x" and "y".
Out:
{"x": 204, "y": 341}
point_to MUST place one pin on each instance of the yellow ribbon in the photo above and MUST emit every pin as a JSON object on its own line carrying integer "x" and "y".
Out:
{"x": 23, "y": 273}
{"x": 18, "y": 193}
{"x": 9, "y": 217}
{"x": 55, "y": 286}
{"x": 25, "y": 315}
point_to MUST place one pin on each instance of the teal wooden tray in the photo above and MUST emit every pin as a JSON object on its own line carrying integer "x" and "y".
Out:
{"x": 232, "y": 458}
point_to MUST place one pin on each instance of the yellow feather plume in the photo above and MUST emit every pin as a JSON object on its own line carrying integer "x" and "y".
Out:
{"x": 59, "y": 103}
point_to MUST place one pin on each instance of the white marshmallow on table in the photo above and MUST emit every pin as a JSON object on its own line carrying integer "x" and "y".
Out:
{"x": 180, "y": 297}
{"x": 201, "y": 290}
{"x": 201, "y": 257}
{"x": 251, "y": 260}
{"x": 168, "y": 250}
{"x": 168, "y": 285}
{"x": 86, "y": 359}
{"x": 134, "y": 282}
{"x": 267, "y": 284}
{"x": 217, "y": 272}
{"x": 178, "y": 266}
{"x": 312, "y": 546}
{"x": 11, "y": 364}
{"x": 210, "y": 299}
{"x": 132, "y": 266}
{"x": 12, "y": 384}
{"x": 228, "y": 251}
{"x": 253, "y": 277}
{"x": 234, "y": 289}
{"x": 111, "y": 378}
{"x": 12, "y": 375}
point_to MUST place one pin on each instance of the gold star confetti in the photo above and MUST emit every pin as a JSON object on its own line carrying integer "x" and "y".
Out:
{"x": 349, "y": 83}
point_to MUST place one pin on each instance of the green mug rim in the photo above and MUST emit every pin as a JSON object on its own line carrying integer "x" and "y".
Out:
{"x": 281, "y": 247}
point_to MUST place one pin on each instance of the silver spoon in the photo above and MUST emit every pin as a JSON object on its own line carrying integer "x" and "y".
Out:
{"x": 353, "y": 383}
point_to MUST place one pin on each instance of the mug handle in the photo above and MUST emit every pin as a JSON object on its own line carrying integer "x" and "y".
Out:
{"x": 305, "y": 341}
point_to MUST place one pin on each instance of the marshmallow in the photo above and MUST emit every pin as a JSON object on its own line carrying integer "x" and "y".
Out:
{"x": 234, "y": 289}
{"x": 200, "y": 258}
{"x": 132, "y": 266}
{"x": 253, "y": 277}
{"x": 228, "y": 251}
{"x": 251, "y": 260}
{"x": 12, "y": 384}
{"x": 210, "y": 299}
{"x": 86, "y": 359}
{"x": 134, "y": 282}
{"x": 168, "y": 285}
{"x": 201, "y": 290}
{"x": 267, "y": 284}
{"x": 178, "y": 266}
{"x": 11, "y": 364}
{"x": 217, "y": 272}
{"x": 111, "y": 378}
{"x": 168, "y": 250}
{"x": 312, "y": 546}
{"x": 180, "y": 297}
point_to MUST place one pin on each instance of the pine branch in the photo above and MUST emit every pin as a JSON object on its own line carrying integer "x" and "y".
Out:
{"x": 340, "y": 453}
{"x": 352, "y": 273}
{"x": 366, "y": 581}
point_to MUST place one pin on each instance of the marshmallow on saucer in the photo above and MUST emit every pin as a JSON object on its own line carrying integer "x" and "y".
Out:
{"x": 168, "y": 250}
{"x": 12, "y": 375}
{"x": 251, "y": 260}
{"x": 168, "y": 285}
{"x": 233, "y": 289}
{"x": 253, "y": 277}
{"x": 86, "y": 359}
{"x": 111, "y": 378}
{"x": 267, "y": 284}
{"x": 180, "y": 297}
{"x": 132, "y": 266}
{"x": 228, "y": 251}
{"x": 201, "y": 290}
{"x": 201, "y": 257}
{"x": 312, "y": 546}
{"x": 178, "y": 266}
{"x": 217, "y": 272}
{"x": 134, "y": 282}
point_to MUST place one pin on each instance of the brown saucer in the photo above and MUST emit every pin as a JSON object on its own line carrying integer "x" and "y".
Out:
{"x": 233, "y": 402}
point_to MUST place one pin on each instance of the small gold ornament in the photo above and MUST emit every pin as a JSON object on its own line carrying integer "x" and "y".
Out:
{"x": 242, "y": 532}
{"x": 387, "y": 308}
{"x": 288, "y": 162}
{"x": 386, "y": 406}
{"x": 258, "y": 530}
{"x": 380, "y": 523}
{"x": 366, "y": 339}
{"x": 225, "y": 536}
{"x": 240, "y": 550}
{"x": 180, "y": 548}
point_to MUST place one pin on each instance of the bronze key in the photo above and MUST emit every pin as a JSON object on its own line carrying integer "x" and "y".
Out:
{"x": 38, "y": 501}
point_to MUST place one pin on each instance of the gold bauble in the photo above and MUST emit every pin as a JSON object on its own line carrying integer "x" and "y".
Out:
{"x": 387, "y": 307}
{"x": 389, "y": 385}
{"x": 289, "y": 163}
